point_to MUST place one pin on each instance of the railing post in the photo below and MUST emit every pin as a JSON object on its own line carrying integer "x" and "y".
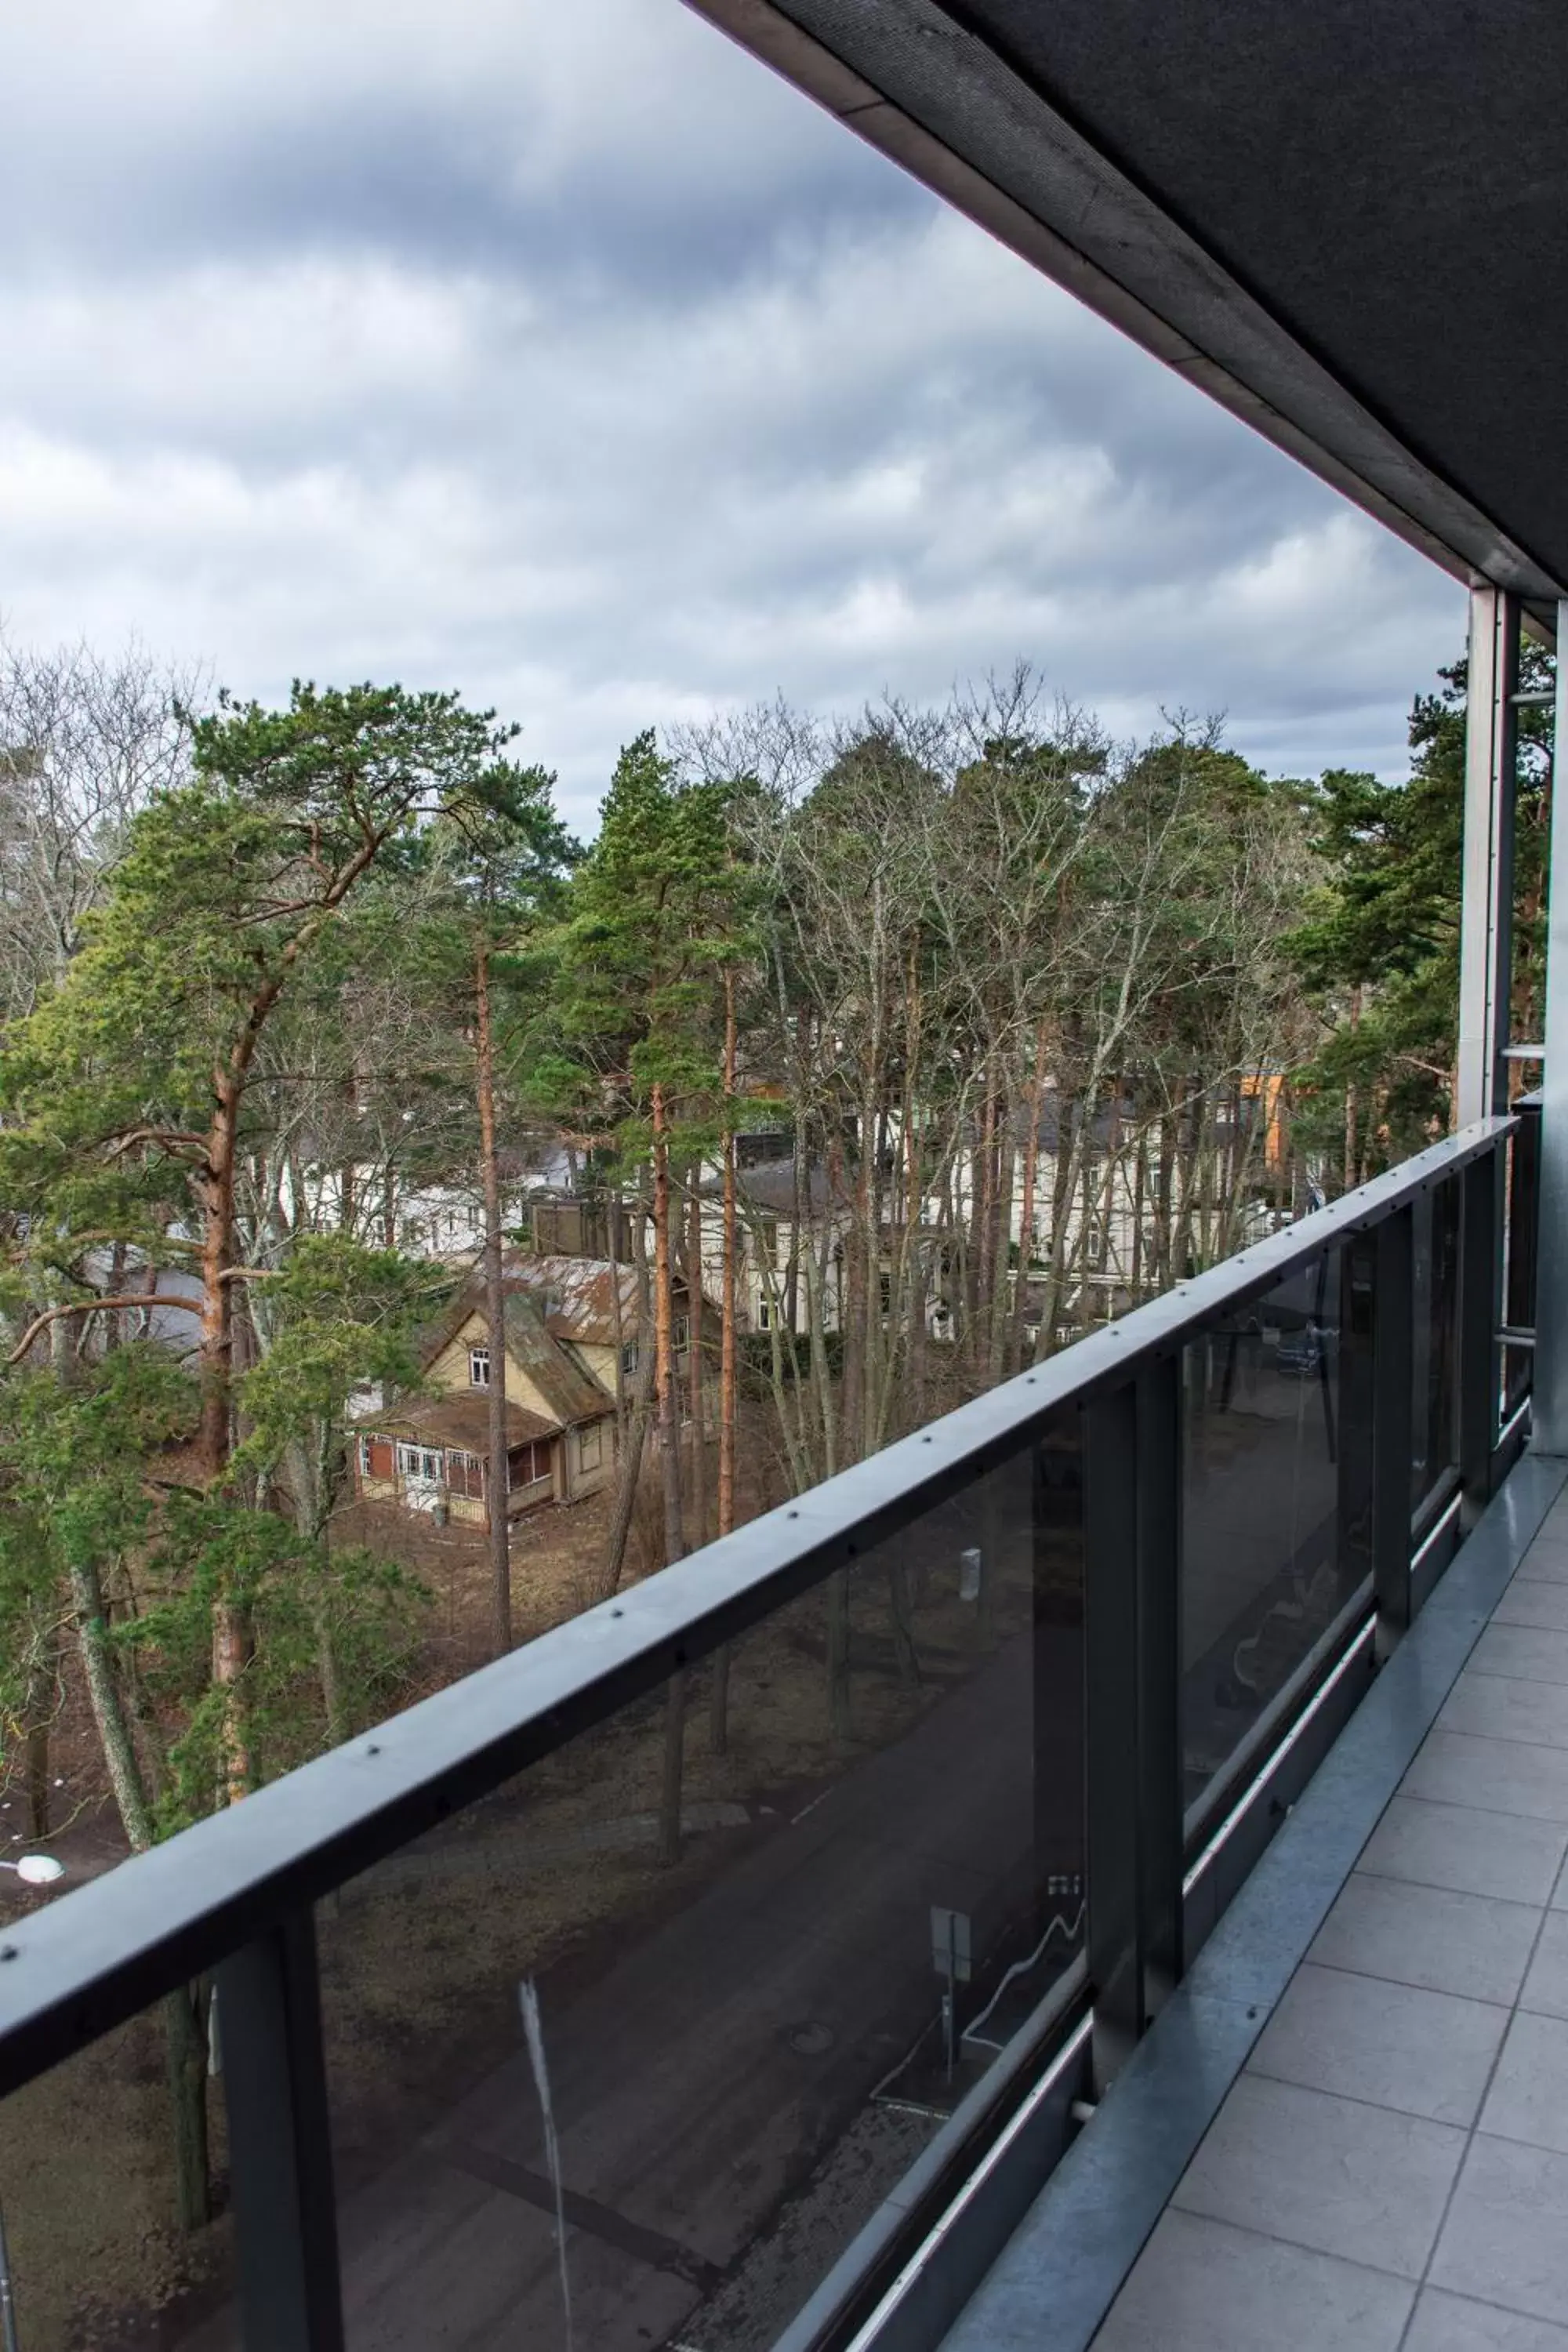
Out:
{"x": 1549, "y": 1381}
{"x": 1110, "y": 1710}
{"x": 285, "y": 2196}
{"x": 1479, "y": 1294}
{"x": 1160, "y": 1776}
{"x": 1486, "y": 915}
{"x": 1133, "y": 1732}
{"x": 1392, "y": 1422}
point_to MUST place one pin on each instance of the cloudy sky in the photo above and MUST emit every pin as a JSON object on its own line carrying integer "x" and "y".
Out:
{"x": 558, "y": 354}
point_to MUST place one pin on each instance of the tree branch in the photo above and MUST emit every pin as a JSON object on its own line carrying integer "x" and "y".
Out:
{"x": 138, "y": 1299}
{"x": 173, "y": 1137}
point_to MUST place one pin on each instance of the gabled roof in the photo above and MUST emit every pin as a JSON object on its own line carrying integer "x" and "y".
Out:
{"x": 577, "y": 1295}
{"x": 769, "y": 1187}
{"x": 568, "y": 1389}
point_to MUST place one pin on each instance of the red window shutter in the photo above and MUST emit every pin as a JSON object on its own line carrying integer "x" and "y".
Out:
{"x": 381, "y": 1457}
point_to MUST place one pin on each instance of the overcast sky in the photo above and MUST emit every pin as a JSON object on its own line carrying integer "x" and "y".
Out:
{"x": 551, "y": 350}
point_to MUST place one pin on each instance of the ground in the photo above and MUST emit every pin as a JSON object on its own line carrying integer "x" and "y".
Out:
{"x": 556, "y": 1877}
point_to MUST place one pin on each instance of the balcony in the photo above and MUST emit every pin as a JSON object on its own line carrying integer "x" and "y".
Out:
{"x": 495, "y": 2034}
{"x": 1092, "y": 1873}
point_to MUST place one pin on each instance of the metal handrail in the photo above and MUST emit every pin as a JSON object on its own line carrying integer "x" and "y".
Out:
{"x": 108, "y": 1950}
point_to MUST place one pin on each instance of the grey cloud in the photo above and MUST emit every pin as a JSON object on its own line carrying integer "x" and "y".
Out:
{"x": 563, "y": 356}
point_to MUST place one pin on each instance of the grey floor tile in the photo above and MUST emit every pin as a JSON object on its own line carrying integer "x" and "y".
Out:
{"x": 1494, "y": 1707}
{"x": 1529, "y": 2097}
{"x": 1560, "y": 1893}
{"x": 1523, "y": 1650}
{"x": 1479, "y": 1853}
{"x": 1530, "y": 1601}
{"x": 1426, "y": 2053}
{"x": 1360, "y": 2182}
{"x": 1544, "y": 1563}
{"x": 1201, "y": 2287}
{"x": 1546, "y": 1984}
{"x": 1429, "y": 1936}
{"x": 1452, "y": 2323}
{"x": 1499, "y": 1776}
{"x": 1506, "y": 2237}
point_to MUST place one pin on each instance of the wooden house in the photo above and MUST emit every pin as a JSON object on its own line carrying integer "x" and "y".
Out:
{"x": 571, "y": 1339}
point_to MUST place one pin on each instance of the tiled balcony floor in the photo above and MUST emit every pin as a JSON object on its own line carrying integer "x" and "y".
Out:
{"x": 1389, "y": 2168}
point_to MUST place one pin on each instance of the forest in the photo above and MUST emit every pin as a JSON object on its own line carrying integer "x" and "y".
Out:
{"x": 1030, "y": 1023}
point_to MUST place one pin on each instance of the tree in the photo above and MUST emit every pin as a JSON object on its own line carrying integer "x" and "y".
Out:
{"x": 339, "y": 1318}
{"x": 132, "y": 1087}
{"x": 84, "y": 743}
{"x": 651, "y": 925}
{"x": 494, "y": 868}
{"x": 1380, "y": 946}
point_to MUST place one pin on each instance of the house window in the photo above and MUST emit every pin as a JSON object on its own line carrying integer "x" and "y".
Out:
{"x": 630, "y": 1359}
{"x": 465, "y": 1473}
{"x": 590, "y": 1446}
{"x": 530, "y": 1463}
{"x": 479, "y": 1368}
{"x": 366, "y": 1459}
{"x": 420, "y": 1462}
{"x": 765, "y": 1316}
{"x": 682, "y": 1334}
{"x": 767, "y": 1241}
{"x": 885, "y": 1284}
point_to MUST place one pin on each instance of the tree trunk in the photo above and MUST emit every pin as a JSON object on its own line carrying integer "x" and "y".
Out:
{"x": 1027, "y": 1200}
{"x": 674, "y": 1767}
{"x": 498, "y": 1513}
{"x": 185, "y": 2047}
{"x": 694, "y": 1363}
{"x": 43, "y": 1698}
{"x": 727, "y": 1370}
{"x": 632, "y": 1454}
{"x": 617, "y": 1323}
{"x": 185, "y": 2061}
{"x": 664, "y": 1353}
{"x": 232, "y": 1636}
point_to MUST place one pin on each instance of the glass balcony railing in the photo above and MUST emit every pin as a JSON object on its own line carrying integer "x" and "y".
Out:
{"x": 670, "y": 1981}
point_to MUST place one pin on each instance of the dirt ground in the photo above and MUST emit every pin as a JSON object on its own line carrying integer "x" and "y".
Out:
{"x": 418, "y": 1996}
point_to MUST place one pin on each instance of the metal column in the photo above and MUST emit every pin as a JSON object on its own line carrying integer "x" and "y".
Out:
{"x": 1549, "y": 1379}
{"x": 269, "y": 2032}
{"x": 1480, "y": 1300}
{"x": 1132, "y": 1674}
{"x": 1485, "y": 934}
{"x": 1392, "y": 1417}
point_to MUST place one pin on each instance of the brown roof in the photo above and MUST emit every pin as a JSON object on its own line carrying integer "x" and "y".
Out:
{"x": 577, "y": 1297}
{"x": 458, "y": 1420}
{"x": 568, "y": 1388}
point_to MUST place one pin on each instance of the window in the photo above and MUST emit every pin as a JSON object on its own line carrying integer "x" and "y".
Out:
{"x": 590, "y": 1446}
{"x": 767, "y": 1233}
{"x": 630, "y": 1360}
{"x": 479, "y": 1368}
{"x": 765, "y": 1316}
{"x": 422, "y": 1462}
{"x": 528, "y": 1463}
{"x": 366, "y": 1459}
{"x": 465, "y": 1473}
{"x": 885, "y": 1285}
{"x": 682, "y": 1334}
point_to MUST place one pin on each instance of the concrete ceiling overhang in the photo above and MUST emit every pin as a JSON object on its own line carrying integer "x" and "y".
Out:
{"x": 1347, "y": 221}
